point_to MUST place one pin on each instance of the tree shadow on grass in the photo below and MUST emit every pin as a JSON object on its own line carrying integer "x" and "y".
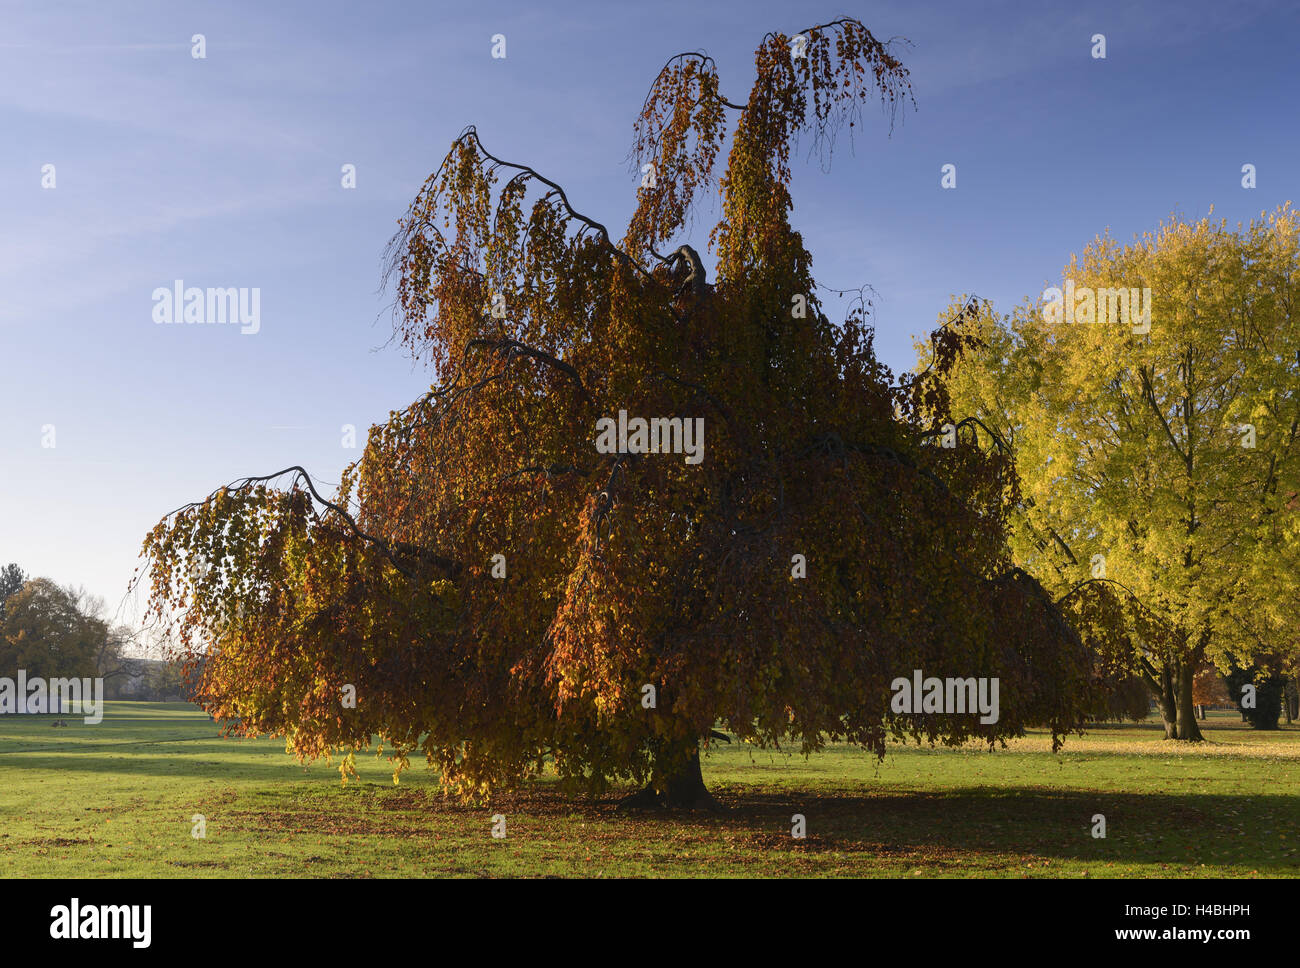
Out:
{"x": 1174, "y": 830}
{"x": 962, "y": 830}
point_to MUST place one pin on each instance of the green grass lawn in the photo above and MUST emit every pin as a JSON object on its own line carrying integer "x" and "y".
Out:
{"x": 117, "y": 799}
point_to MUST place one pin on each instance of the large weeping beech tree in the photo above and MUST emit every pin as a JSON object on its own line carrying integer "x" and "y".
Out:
{"x": 500, "y": 593}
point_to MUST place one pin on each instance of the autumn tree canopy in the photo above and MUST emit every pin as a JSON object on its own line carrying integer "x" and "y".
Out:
{"x": 1152, "y": 402}
{"x": 45, "y": 632}
{"x": 503, "y": 592}
{"x": 11, "y": 579}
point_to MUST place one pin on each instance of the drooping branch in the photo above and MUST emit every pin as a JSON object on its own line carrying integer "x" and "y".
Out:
{"x": 470, "y": 135}
{"x": 446, "y": 565}
{"x": 836, "y": 98}
{"x": 506, "y": 349}
{"x": 860, "y": 304}
{"x": 708, "y": 67}
{"x": 974, "y": 422}
{"x": 943, "y": 355}
{"x": 1111, "y": 581}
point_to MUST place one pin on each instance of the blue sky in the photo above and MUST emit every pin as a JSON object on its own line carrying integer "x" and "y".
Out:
{"x": 225, "y": 172}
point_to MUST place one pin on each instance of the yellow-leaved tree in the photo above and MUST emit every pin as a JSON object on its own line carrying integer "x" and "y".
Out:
{"x": 1152, "y": 404}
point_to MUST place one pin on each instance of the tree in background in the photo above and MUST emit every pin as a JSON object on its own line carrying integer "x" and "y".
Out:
{"x": 49, "y": 630}
{"x": 11, "y": 579}
{"x": 111, "y": 652}
{"x": 1258, "y": 691}
{"x": 1159, "y": 454}
{"x": 499, "y": 588}
{"x": 1209, "y": 688}
{"x": 45, "y": 632}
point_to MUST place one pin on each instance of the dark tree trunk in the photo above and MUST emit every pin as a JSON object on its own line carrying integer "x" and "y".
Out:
{"x": 1186, "y": 718}
{"x": 678, "y": 787}
{"x": 685, "y": 789}
{"x": 1168, "y": 703}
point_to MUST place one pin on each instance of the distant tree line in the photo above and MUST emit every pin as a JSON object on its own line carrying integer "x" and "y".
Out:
{"x": 55, "y": 631}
